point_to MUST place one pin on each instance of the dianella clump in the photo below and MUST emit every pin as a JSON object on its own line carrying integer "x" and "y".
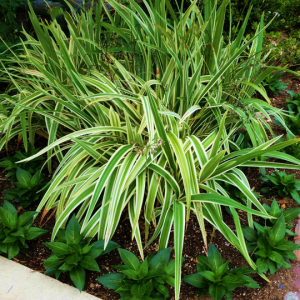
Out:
{"x": 139, "y": 107}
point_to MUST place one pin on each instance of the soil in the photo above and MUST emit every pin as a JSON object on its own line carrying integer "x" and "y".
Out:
{"x": 193, "y": 243}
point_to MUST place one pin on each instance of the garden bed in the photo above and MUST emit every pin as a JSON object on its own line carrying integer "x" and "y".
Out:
{"x": 193, "y": 243}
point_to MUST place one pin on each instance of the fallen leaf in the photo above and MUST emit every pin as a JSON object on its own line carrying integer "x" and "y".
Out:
{"x": 283, "y": 201}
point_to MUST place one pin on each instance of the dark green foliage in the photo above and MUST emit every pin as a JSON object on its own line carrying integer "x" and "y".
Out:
{"x": 27, "y": 188}
{"x": 26, "y": 176}
{"x": 293, "y": 150}
{"x": 281, "y": 183}
{"x": 288, "y": 214}
{"x": 290, "y": 17}
{"x": 240, "y": 141}
{"x": 142, "y": 281}
{"x": 287, "y": 18}
{"x": 286, "y": 49}
{"x": 293, "y": 120}
{"x": 235, "y": 193}
{"x": 213, "y": 276}
{"x": 9, "y": 25}
{"x": 293, "y": 104}
{"x": 240, "y": 8}
{"x": 15, "y": 231}
{"x": 72, "y": 253}
{"x": 9, "y": 163}
{"x": 273, "y": 84}
{"x": 269, "y": 246}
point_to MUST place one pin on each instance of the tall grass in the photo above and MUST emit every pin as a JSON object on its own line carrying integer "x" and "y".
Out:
{"x": 139, "y": 107}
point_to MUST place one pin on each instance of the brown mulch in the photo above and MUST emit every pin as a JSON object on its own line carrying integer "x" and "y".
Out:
{"x": 193, "y": 243}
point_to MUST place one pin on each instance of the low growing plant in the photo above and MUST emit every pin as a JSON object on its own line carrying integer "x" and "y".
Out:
{"x": 15, "y": 231}
{"x": 27, "y": 188}
{"x": 283, "y": 49}
{"x": 288, "y": 214}
{"x": 293, "y": 150}
{"x": 293, "y": 123}
{"x": 281, "y": 183}
{"x": 9, "y": 163}
{"x": 273, "y": 84}
{"x": 293, "y": 104}
{"x": 142, "y": 280}
{"x": 72, "y": 253}
{"x": 269, "y": 246}
{"x": 214, "y": 277}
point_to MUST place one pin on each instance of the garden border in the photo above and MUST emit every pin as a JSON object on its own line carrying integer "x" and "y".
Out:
{"x": 21, "y": 283}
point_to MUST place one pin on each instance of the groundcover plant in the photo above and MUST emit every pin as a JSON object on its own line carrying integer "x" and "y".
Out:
{"x": 139, "y": 107}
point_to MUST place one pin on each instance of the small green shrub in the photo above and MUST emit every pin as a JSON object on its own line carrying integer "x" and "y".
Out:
{"x": 9, "y": 163}
{"x": 269, "y": 246}
{"x": 144, "y": 281}
{"x": 72, "y": 253}
{"x": 293, "y": 104}
{"x": 282, "y": 49}
{"x": 27, "y": 188}
{"x": 290, "y": 18}
{"x": 273, "y": 84}
{"x": 293, "y": 150}
{"x": 288, "y": 214}
{"x": 281, "y": 183}
{"x": 213, "y": 276}
{"x": 15, "y": 231}
{"x": 9, "y": 25}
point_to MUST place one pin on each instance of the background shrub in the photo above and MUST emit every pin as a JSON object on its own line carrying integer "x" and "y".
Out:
{"x": 9, "y": 13}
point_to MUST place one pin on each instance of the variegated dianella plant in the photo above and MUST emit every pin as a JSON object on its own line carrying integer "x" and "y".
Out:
{"x": 139, "y": 107}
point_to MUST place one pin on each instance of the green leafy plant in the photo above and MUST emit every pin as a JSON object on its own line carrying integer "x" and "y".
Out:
{"x": 240, "y": 141}
{"x": 269, "y": 246}
{"x": 15, "y": 231}
{"x": 288, "y": 214}
{"x": 9, "y": 25}
{"x": 72, "y": 253}
{"x": 292, "y": 122}
{"x": 27, "y": 188}
{"x": 281, "y": 183}
{"x": 293, "y": 104}
{"x": 290, "y": 17}
{"x": 9, "y": 163}
{"x": 142, "y": 281}
{"x": 282, "y": 48}
{"x": 293, "y": 150}
{"x": 214, "y": 277}
{"x": 273, "y": 84}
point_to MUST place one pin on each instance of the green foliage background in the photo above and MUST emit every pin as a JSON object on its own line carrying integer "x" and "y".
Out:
{"x": 9, "y": 25}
